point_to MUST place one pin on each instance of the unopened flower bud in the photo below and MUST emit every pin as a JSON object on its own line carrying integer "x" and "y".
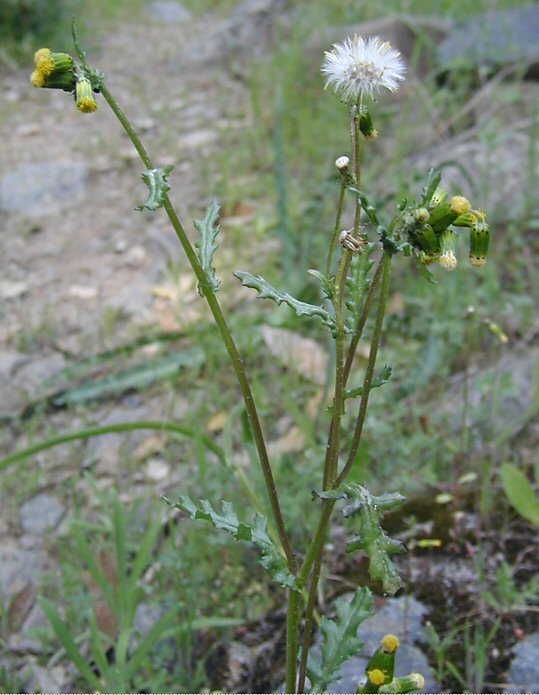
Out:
{"x": 421, "y": 215}
{"x": 460, "y": 204}
{"x": 84, "y": 96}
{"x": 366, "y": 125}
{"x": 448, "y": 240}
{"x": 468, "y": 219}
{"x": 438, "y": 197}
{"x": 479, "y": 241}
{"x": 404, "y": 684}
{"x": 390, "y": 643}
{"x": 426, "y": 239}
{"x": 441, "y": 217}
{"x": 376, "y": 676}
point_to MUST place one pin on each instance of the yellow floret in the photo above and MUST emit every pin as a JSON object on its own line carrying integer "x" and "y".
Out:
{"x": 460, "y": 204}
{"x": 448, "y": 260}
{"x": 87, "y": 105}
{"x": 390, "y": 643}
{"x": 477, "y": 262}
{"x": 44, "y": 61}
{"x": 376, "y": 677}
{"x": 37, "y": 78}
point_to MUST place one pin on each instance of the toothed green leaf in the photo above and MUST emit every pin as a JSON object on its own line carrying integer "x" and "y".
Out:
{"x": 372, "y": 538}
{"x": 256, "y": 533}
{"x": 267, "y": 291}
{"x": 328, "y": 289}
{"x": 208, "y": 230}
{"x": 341, "y": 641}
{"x": 156, "y": 180}
{"x": 433, "y": 181}
{"x": 380, "y": 379}
{"x": 425, "y": 272}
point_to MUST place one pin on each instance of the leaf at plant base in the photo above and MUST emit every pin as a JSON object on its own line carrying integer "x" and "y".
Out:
{"x": 208, "y": 230}
{"x": 520, "y": 492}
{"x": 372, "y": 538}
{"x": 256, "y": 533}
{"x": 158, "y": 186}
{"x": 340, "y": 638}
{"x": 297, "y": 353}
{"x": 380, "y": 379}
{"x": 267, "y": 291}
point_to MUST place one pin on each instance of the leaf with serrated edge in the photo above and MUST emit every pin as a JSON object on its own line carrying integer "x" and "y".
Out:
{"x": 267, "y": 291}
{"x": 433, "y": 180}
{"x": 158, "y": 186}
{"x": 256, "y": 533}
{"x": 325, "y": 281}
{"x": 340, "y": 639}
{"x": 372, "y": 538}
{"x": 379, "y": 380}
{"x": 208, "y": 230}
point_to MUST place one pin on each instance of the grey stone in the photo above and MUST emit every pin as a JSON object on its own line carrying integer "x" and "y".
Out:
{"x": 168, "y": 11}
{"x": 18, "y": 567}
{"x": 401, "y": 616}
{"x": 40, "y": 514}
{"x": 523, "y": 674}
{"x": 9, "y": 361}
{"x": 36, "y": 374}
{"x": 495, "y": 38}
{"x": 37, "y": 188}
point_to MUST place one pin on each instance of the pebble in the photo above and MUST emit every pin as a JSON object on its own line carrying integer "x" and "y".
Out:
{"x": 168, "y": 11}
{"x": 40, "y": 514}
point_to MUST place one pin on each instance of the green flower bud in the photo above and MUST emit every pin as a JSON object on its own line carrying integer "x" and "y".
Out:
{"x": 84, "y": 96}
{"x": 448, "y": 241}
{"x": 366, "y": 125}
{"x": 441, "y": 217}
{"x": 460, "y": 204}
{"x": 479, "y": 241}
{"x": 404, "y": 684}
{"x": 426, "y": 239}
{"x": 438, "y": 197}
{"x": 468, "y": 219}
{"x": 421, "y": 215}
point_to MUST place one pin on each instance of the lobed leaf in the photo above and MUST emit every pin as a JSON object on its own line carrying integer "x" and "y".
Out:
{"x": 520, "y": 493}
{"x": 433, "y": 181}
{"x": 380, "y": 379}
{"x": 158, "y": 186}
{"x": 267, "y": 291}
{"x": 372, "y": 538}
{"x": 340, "y": 639}
{"x": 208, "y": 230}
{"x": 256, "y": 533}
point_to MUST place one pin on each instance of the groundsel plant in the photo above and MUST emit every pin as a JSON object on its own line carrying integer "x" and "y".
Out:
{"x": 354, "y": 284}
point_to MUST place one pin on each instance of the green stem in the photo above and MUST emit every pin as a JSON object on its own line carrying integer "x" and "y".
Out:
{"x": 292, "y": 628}
{"x": 225, "y": 335}
{"x": 309, "y": 622}
{"x": 377, "y": 334}
{"x": 337, "y": 229}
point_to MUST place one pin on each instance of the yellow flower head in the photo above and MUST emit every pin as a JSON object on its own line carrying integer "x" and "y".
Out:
{"x": 37, "y": 78}
{"x": 460, "y": 204}
{"x": 390, "y": 643}
{"x": 481, "y": 214}
{"x": 44, "y": 61}
{"x": 84, "y": 96}
{"x": 376, "y": 676}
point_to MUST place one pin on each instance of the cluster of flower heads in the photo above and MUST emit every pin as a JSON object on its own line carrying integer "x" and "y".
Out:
{"x": 59, "y": 71}
{"x": 359, "y": 68}
{"x": 429, "y": 230}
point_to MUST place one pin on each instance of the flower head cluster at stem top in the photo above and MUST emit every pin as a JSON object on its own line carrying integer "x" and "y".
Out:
{"x": 431, "y": 229}
{"x": 60, "y": 71}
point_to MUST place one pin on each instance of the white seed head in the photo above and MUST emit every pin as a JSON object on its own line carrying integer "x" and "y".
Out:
{"x": 360, "y": 67}
{"x": 448, "y": 260}
{"x": 342, "y": 162}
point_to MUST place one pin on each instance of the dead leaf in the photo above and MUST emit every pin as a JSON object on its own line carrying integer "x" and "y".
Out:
{"x": 20, "y": 606}
{"x": 217, "y": 422}
{"x": 149, "y": 446}
{"x": 295, "y": 352}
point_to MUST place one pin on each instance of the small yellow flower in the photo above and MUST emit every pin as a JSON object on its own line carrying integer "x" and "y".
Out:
{"x": 44, "y": 61}
{"x": 460, "y": 204}
{"x": 37, "y": 78}
{"x": 376, "y": 676}
{"x": 390, "y": 643}
{"x": 84, "y": 96}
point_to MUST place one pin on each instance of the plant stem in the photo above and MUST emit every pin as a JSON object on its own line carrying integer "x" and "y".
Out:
{"x": 376, "y": 337}
{"x": 309, "y": 622}
{"x": 292, "y": 629}
{"x": 337, "y": 228}
{"x": 226, "y": 336}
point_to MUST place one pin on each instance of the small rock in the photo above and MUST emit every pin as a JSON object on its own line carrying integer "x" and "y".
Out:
{"x": 168, "y": 11}
{"x": 9, "y": 361}
{"x": 120, "y": 246}
{"x": 33, "y": 189}
{"x": 82, "y": 292}
{"x": 40, "y": 514}
{"x": 31, "y": 377}
{"x": 157, "y": 469}
{"x": 135, "y": 256}
{"x": 524, "y": 670}
{"x": 495, "y": 38}
{"x": 18, "y": 566}
{"x": 12, "y": 290}
{"x": 198, "y": 138}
